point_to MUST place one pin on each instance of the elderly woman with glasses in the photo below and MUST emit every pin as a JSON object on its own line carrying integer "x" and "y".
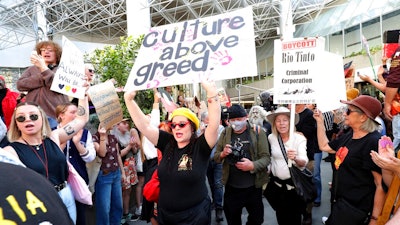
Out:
{"x": 358, "y": 195}
{"x": 182, "y": 171}
{"x": 38, "y": 147}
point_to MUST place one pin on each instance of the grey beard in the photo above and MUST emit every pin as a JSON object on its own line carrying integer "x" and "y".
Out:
{"x": 256, "y": 121}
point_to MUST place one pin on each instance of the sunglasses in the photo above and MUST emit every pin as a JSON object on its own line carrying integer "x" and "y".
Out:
{"x": 349, "y": 111}
{"x": 91, "y": 70}
{"x": 33, "y": 117}
{"x": 181, "y": 124}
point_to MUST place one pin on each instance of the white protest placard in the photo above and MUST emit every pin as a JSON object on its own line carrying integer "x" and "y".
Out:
{"x": 70, "y": 74}
{"x": 219, "y": 47}
{"x": 330, "y": 82}
{"x": 106, "y": 101}
{"x": 295, "y": 70}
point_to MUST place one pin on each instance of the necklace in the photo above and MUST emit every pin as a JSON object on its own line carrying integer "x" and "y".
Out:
{"x": 45, "y": 161}
{"x": 37, "y": 147}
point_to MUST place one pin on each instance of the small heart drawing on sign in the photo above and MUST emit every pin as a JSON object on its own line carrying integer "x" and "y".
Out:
{"x": 67, "y": 88}
{"x": 73, "y": 90}
{"x": 61, "y": 86}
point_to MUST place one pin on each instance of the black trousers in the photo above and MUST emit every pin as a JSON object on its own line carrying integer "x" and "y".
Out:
{"x": 288, "y": 205}
{"x": 235, "y": 199}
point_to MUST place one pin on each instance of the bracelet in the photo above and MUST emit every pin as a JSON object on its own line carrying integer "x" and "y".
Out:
{"x": 373, "y": 218}
{"x": 210, "y": 99}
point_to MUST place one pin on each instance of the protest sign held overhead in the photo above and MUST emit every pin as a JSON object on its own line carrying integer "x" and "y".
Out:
{"x": 70, "y": 74}
{"x": 219, "y": 47}
{"x": 295, "y": 70}
{"x": 106, "y": 101}
{"x": 304, "y": 73}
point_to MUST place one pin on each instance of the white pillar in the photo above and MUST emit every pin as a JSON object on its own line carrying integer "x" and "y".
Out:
{"x": 138, "y": 17}
{"x": 286, "y": 19}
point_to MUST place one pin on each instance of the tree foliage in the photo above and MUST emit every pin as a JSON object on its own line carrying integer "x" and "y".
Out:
{"x": 115, "y": 62}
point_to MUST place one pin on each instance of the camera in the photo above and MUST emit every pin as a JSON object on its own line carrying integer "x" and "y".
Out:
{"x": 237, "y": 153}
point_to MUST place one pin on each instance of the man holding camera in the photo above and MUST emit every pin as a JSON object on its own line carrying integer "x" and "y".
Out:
{"x": 245, "y": 155}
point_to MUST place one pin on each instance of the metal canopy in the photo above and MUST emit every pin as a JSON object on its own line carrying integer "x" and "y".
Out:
{"x": 104, "y": 21}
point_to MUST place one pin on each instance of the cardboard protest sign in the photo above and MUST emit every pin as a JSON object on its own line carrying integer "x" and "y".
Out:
{"x": 106, "y": 101}
{"x": 295, "y": 70}
{"x": 221, "y": 47}
{"x": 70, "y": 74}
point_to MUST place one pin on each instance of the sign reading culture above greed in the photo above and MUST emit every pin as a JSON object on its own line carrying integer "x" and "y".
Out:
{"x": 217, "y": 48}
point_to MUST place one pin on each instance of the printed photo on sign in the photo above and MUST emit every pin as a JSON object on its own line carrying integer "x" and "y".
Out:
{"x": 218, "y": 47}
{"x": 70, "y": 75}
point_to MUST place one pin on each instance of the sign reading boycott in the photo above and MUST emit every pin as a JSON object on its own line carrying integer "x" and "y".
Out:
{"x": 106, "y": 102}
{"x": 70, "y": 73}
{"x": 221, "y": 47}
{"x": 295, "y": 70}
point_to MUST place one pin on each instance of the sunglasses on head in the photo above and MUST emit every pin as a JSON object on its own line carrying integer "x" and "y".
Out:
{"x": 33, "y": 117}
{"x": 91, "y": 70}
{"x": 180, "y": 124}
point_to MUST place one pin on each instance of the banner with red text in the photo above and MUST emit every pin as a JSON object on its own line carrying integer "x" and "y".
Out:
{"x": 304, "y": 73}
{"x": 295, "y": 69}
{"x": 217, "y": 47}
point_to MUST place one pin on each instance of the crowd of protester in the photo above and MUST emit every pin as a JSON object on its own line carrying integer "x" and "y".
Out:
{"x": 241, "y": 152}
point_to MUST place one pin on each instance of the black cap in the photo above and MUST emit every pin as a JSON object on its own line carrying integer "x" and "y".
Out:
{"x": 25, "y": 187}
{"x": 236, "y": 111}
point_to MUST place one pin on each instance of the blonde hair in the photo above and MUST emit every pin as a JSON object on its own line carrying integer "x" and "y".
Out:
{"x": 14, "y": 133}
{"x": 273, "y": 126}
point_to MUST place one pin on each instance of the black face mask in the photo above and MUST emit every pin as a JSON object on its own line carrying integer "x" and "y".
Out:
{"x": 51, "y": 67}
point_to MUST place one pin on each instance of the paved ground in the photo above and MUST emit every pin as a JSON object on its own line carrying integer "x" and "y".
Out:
{"x": 269, "y": 214}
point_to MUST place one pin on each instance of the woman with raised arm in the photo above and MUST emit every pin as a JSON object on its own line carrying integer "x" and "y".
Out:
{"x": 38, "y": 147}
{"x": 358, "y": 194}
{"x": 182, "y": 171}
{"x": 79, "y": 150}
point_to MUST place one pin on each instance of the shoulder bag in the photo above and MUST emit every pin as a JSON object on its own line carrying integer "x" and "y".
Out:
{"x": 79, "y": 188}
{"x": 302, "y": 179}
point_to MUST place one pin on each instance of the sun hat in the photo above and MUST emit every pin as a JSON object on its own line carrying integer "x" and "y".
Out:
{"x": 236, "y": 111}
{"x": 188, "y": 114}
{"x": 282, "y": 111}
{"x": 371, "y": 106}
